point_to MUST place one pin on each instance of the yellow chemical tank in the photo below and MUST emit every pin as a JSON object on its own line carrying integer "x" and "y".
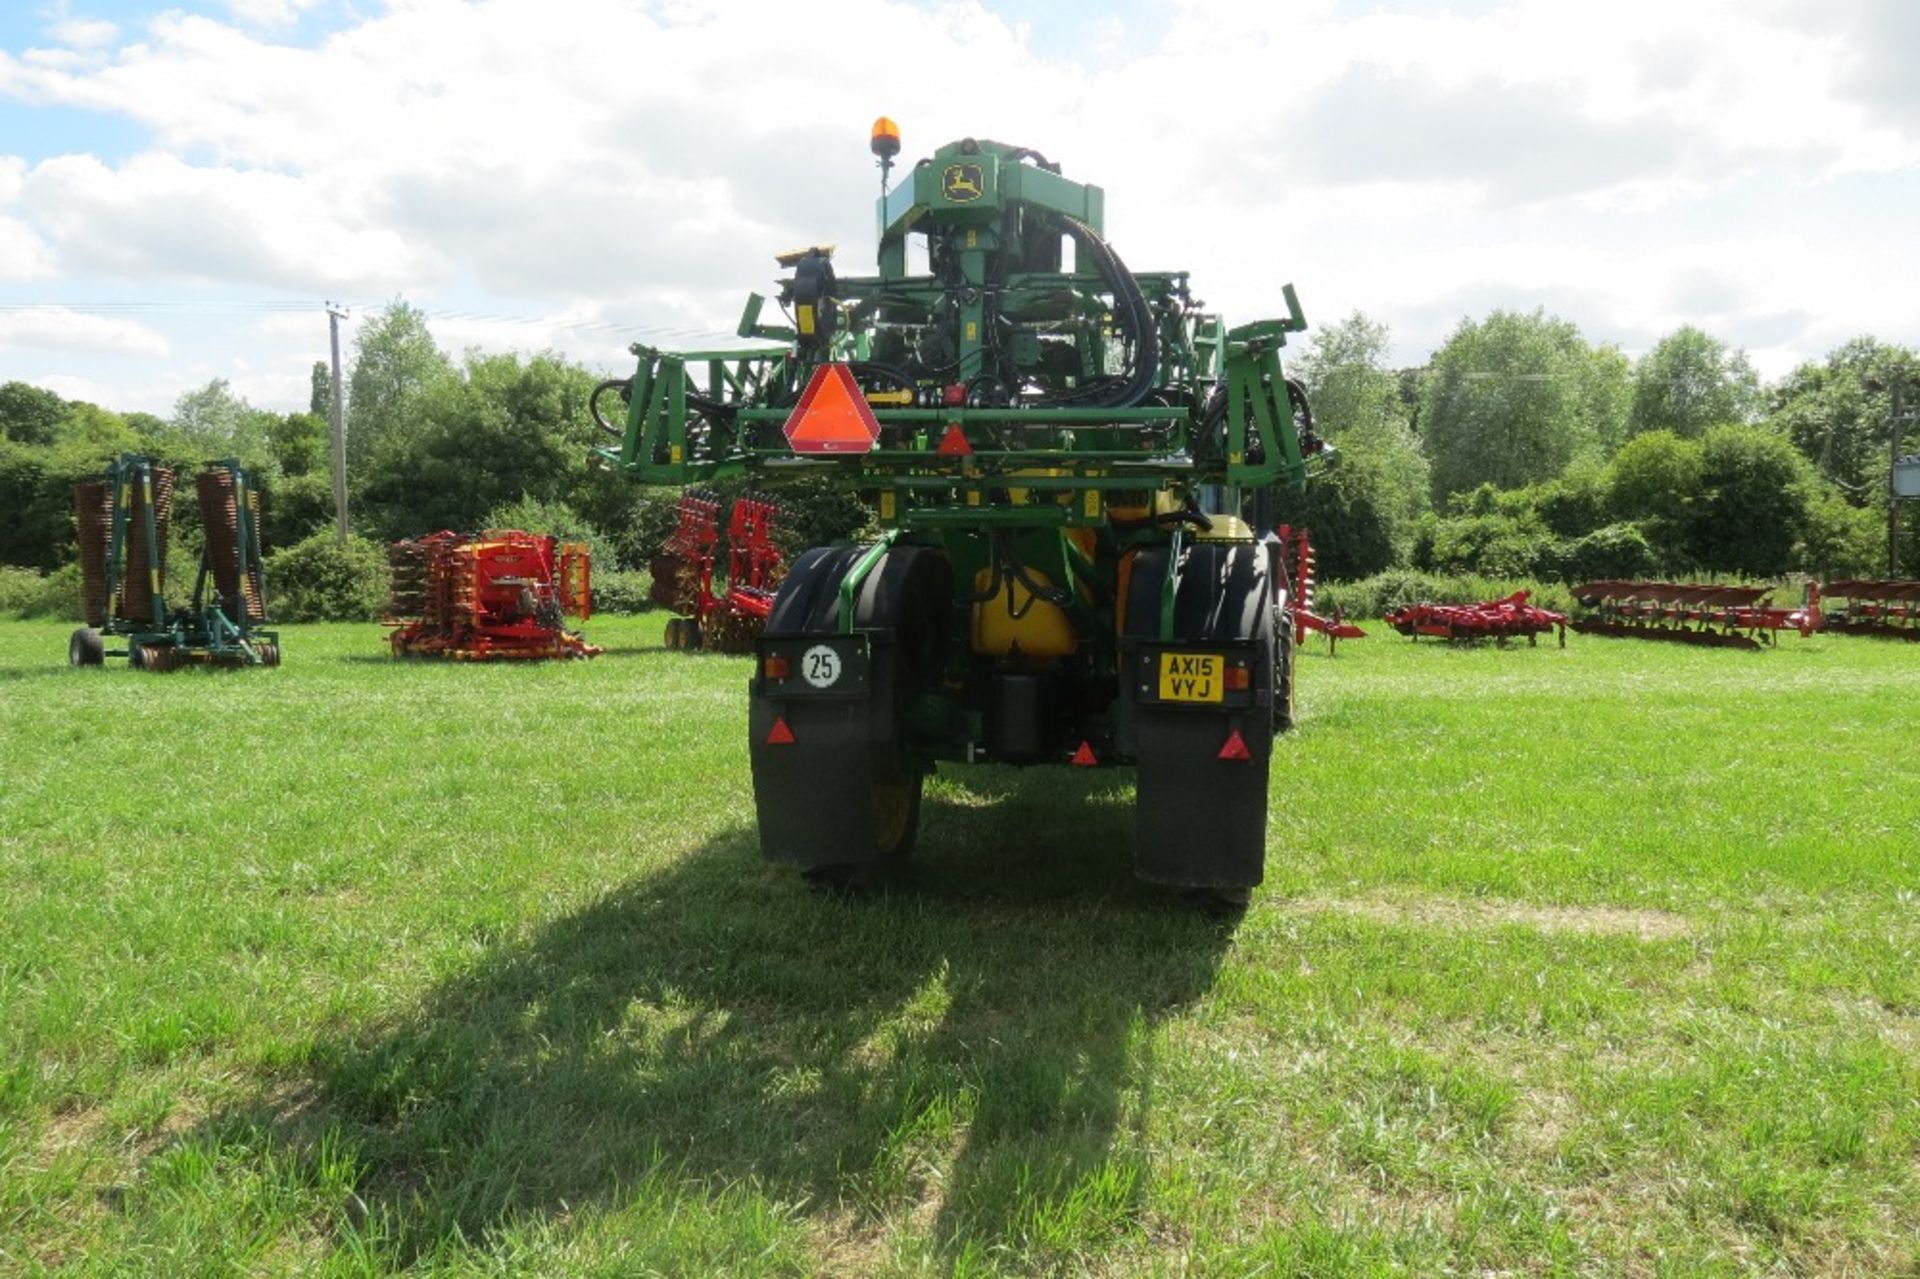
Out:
{"x": 1016, "y": 624}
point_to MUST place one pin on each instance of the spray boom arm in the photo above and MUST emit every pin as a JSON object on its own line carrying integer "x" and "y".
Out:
{"x": 1020, "y": 375}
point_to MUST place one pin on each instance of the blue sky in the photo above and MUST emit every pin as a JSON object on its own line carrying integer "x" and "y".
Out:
{"x": 183, "y": 186}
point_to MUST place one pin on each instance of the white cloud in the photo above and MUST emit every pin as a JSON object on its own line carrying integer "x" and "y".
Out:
{"x": 641, "y": 164}
{"x": 84, "y": 33}
{"x": 23, "y": 255}
{"x": 159, "y": 218}
{"x": 62, "y": 329}
{"x": 269, "y": 13}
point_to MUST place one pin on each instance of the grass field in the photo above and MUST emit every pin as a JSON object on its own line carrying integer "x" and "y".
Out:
{"x": 1594, "y": 961}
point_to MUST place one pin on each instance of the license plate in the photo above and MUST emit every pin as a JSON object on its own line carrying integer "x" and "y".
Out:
{"x": 1192, "y": 677}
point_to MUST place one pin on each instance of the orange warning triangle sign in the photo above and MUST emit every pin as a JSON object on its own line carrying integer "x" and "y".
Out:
{"x": 781, "y": 734}
{"x": 832, "y": 415}
{"x": 1084, "y": 757}
{"x": 1236, "y": 747}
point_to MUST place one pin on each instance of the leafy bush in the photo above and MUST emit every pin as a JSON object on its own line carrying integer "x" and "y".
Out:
{"x": 1616, "y": 551}
{"x": 554, "y": 519}
{"x": 1754, "y": 501}
{"x": 1384, "y": 592}
{"x": 25, "y": 593}
{"x": 1655, "y": 476}
{"x": 620, "y": 591}
{"x": 633, "y": 520}
{"x": 1838, "y": 539}
{"x": 318, "y": 580}
{"x": 297, "y": 507}
{"x": 19, "y": 587}
{"x": 1488, "y": 545}
{"x": 815, "y": 512}
{"x": 1573, "y": 505}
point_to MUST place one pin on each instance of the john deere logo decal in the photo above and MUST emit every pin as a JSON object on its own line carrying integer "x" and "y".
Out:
{"x": 961, "y": 183}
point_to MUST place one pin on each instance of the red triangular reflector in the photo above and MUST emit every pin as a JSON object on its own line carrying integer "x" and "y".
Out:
{"x": 1084, "y": 757}
{"x": 832, "y": 415}
{"x": 781, "y": 734}
{"x": 954, "y": 442}
{"x": 1236, "y": 747}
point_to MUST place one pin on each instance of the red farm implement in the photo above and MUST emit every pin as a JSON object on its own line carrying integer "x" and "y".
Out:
{"x": 1688, "y": 613}
{"x": 1874, "y": 607}
{"x": 684, "y": 570}
{"x": 1299, "y": 555}
{"x": 1498, "y": 620}
{"x": 497, "y": 596}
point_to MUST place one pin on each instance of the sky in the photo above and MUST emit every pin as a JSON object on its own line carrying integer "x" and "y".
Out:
{"x": 184, "y": 187}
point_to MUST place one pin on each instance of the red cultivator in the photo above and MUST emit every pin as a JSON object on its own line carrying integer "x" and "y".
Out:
{"x": 1688, "y": 613}
{"x": 1299, "y": 551}
{"x": 683, "y": 573}
{"x": 1875, "y": 608}
{"x": 1499, "y": 620}
{"x": 497, "y": 596}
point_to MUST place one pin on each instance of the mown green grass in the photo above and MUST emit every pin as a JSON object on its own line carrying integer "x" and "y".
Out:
{"x": 1591, "y": 961}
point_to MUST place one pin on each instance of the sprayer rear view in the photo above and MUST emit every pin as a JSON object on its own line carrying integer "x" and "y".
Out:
{"x": 1057, "y": 447}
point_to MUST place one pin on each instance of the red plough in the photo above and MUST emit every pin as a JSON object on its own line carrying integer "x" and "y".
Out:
{"x": 1689, "y": 613}
{"x": 1498, "y": 620}
{"x": 1875, "y": 607}
{"x": 726, "y": 620}
{"x": 1299, "y": 553}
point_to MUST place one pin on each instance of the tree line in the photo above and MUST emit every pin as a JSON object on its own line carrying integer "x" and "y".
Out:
{"x": 1519, "y": 450}
{"x": 1523, "y": 450}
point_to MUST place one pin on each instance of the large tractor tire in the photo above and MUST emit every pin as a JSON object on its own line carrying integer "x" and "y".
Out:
{"x": 1201, "y": 793}
{"x": 836, "y": 780}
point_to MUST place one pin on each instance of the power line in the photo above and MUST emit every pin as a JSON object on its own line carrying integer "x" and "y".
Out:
{"x": 295, "y": 306}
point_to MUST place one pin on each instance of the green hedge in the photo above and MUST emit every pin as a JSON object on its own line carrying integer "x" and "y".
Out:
{"x": 620, "y": 591}
{"x": 26, "y": 593}
{"x": 318, "y": 580}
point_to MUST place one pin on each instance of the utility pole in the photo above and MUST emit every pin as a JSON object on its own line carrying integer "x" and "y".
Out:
{"x": 1893, "y": 476}
{"x": 334, "y": 316}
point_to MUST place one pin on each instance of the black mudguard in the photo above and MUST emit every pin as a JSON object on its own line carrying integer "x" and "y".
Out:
{"x": 1200, "y": 819}
{"x": 813, "y": 797}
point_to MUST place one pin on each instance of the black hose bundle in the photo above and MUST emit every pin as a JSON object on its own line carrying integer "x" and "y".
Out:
{"x": 1005, "y": 568}
{"x": 1136, "y": 321}
{"x": 624, "y": 385}
{"x": 703, "y": 405}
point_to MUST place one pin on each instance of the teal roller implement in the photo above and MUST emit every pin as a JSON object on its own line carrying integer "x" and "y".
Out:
{"x": 123, "y": 519}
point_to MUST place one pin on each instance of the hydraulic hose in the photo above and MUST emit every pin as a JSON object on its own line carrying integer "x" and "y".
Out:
{"x": 1005, "y": 568}
{"x": 1135, "y": 318}
{"x": 620, "y": 384}
{"x": 1297, "y": 397}
{"x": 699, "y": 403}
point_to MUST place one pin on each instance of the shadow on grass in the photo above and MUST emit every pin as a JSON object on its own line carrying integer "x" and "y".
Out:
{"x": 967, "y": 1051}
{"x": 55, "y": 668}
{"x": 117, "y": 669}
{"x": 385, "y": 656}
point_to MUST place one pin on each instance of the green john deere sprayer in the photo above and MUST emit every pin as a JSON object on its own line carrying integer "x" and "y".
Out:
{"x": 1055, "y": 446}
